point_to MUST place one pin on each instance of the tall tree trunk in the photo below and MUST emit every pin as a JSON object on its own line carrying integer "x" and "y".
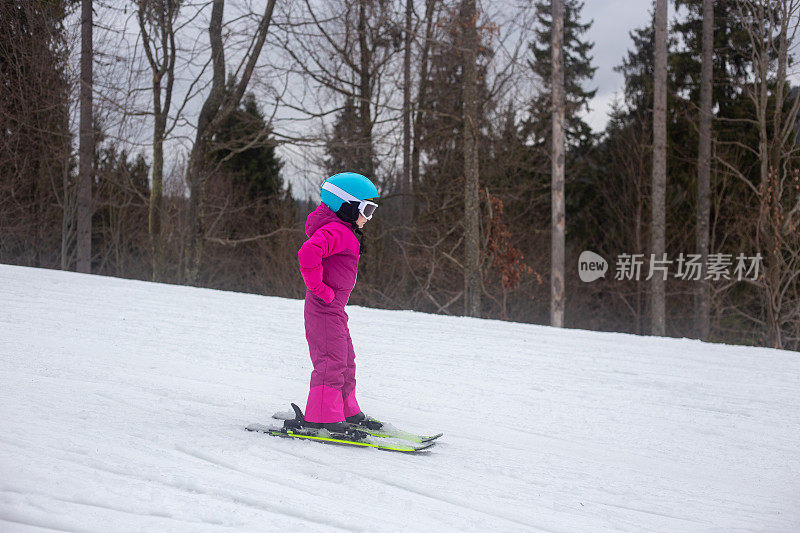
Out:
{"x": 762, "y": 36}
{"x": 558, "y": 222}
{"x": 365, "y": 90}
{"x": 406, "y": 185}
{"x": 68, "y": 214}
{"x": 658, "y": 229}
{"x": 156, "y": 200}
{"x": 197, "y": 168}
{"x": 162, "y": 64}
{"x": 421, "y": 93}
{"x": 86, "y": 149}
{"x": 472, "y": 281}
{"x": 701, "y": 297}
{"x": 777, "y": 149}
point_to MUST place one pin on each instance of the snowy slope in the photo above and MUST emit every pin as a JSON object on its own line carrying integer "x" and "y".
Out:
{"x": 122, "y": 406}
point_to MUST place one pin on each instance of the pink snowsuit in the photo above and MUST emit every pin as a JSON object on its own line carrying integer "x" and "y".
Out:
{"x": 329, "y": 263}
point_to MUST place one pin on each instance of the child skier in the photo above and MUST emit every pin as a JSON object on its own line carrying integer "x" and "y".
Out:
{"x": 329, "y": 263}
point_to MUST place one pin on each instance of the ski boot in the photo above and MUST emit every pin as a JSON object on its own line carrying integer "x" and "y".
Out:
{"x": 362, "y": 420}
{"x": 334, "y": 428}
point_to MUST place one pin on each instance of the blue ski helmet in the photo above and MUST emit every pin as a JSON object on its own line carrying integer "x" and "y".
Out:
{"x": 354, "y": 185}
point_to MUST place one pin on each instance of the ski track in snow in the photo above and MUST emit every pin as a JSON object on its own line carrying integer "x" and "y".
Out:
{"x": 123, "y": 406}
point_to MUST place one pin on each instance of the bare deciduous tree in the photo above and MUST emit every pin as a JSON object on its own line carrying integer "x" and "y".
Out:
{"x": 421, "y": 92}
{"x": 222, "y": 100}
{"x": 345, "y": 49}
{"x": 157, "y": 27}
{"x": 772, "y": 29}
{"x": 406, "y": 184}
{"x": 472, "y": 275}
{"x": 86, "y": 151}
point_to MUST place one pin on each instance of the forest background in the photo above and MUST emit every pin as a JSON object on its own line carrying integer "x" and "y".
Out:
{"x": 166, "y": 166}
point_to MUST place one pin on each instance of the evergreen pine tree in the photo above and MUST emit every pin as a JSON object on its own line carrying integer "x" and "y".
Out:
{"x": 441, "y": 135}
{"x": 244, "y": 139}
{"x": 578, "y": 70}
{"x": 345, "y": 149}
{"x": 637, "y": 69}
{"x": 731, "y": 47}
{"x": 613, "y": 201}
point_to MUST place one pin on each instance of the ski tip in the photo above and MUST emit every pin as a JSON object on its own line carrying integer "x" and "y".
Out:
{"x": 424, "y": 448}
{"x": 432, "y": 438}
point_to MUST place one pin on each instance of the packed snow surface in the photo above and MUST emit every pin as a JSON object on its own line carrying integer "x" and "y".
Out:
{"x": 123, "y": 403}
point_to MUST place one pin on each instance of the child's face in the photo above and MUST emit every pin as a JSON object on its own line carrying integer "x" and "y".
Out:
{"x": 361, "y": 221}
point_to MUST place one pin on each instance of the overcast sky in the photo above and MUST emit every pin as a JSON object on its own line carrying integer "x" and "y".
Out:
{"x": 613, "y": 21}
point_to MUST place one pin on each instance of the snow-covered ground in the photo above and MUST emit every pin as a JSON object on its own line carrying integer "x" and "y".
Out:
{"x": 122, "y": 407}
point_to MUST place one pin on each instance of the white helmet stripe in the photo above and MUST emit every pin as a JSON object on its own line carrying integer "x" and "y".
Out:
{"x": 338, "y": 191}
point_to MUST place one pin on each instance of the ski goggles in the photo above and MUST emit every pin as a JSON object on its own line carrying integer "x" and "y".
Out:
{"x": 365, "y": 207}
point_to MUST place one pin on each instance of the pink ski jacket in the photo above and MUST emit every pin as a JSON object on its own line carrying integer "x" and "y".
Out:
{"x": 329, "y": 258}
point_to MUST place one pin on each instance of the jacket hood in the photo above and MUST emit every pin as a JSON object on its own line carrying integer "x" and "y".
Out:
{"x": 319, "y": 217}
